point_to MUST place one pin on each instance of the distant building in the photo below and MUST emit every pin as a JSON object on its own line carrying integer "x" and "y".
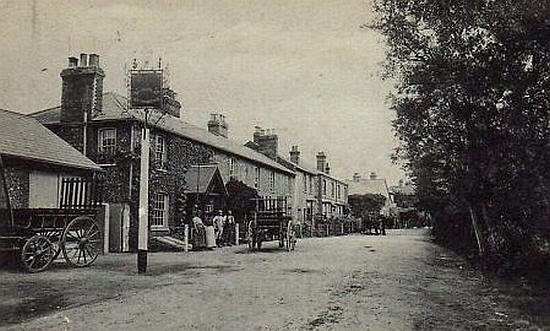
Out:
{"x": 36, "y": 161}
{"x": 305, "y": 187}
{"x": 372, "y": 185}
{"x": 316, "y": 193}
{"x": 332, "y": 194}
{"x": 101, "y": 126}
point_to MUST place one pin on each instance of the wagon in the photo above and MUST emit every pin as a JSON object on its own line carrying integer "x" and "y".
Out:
{"x": 39, "y": 236}
{"x": 271, "y": 219}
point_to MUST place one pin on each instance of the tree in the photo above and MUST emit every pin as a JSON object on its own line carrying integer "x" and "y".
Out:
{"x": 472, "y": 112}
{"x": 240, "y": 198}
{"x": 363, "y": 205}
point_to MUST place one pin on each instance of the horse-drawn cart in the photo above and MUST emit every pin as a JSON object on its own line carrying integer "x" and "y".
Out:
{"x": 38, "y": 236}
{"x": 271, "y": 219}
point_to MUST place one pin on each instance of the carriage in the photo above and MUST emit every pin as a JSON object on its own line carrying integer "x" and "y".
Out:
{"x": 39, "y": 236}
{"x": 271, "y": 219}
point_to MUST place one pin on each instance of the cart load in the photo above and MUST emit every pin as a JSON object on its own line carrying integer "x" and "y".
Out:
{"x": 271, "y": 219}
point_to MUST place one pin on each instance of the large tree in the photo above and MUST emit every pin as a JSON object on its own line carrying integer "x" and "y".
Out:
{"x": 472, "y": 110}
{"x": 364, "y": 205}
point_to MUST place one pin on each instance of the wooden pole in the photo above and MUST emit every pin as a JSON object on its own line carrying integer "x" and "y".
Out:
{"x": 143, "y": 226}
{"x": 237, "y": 234}
{"x": 186, "y": 238}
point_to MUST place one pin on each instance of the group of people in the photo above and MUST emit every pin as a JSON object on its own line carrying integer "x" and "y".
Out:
{"x": 217, "y": 231}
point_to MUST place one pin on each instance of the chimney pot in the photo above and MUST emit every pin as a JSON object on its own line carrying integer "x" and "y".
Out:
{"x": 73, "y": 62}
{"x": 295, "y": 154}
{"x": 83, "y": 59}
{"x": 93, "y": 60}
{"x": 217, "y": 125}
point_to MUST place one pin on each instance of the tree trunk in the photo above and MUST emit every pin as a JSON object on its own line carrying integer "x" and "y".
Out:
{"x": 477, "y": 232}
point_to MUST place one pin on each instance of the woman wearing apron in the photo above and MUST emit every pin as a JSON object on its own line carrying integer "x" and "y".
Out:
{"x": 210, "y": 234}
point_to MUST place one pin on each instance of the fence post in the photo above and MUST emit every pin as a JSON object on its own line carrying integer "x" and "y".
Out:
{"x": 186, "y": 238}
{"x": 237, "y": 234}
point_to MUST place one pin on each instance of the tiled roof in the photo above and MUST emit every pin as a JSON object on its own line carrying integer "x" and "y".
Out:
{"x": 198, "y": 178}
{"x": 24, "y": 137}
{"x": 301, "y": 166}
{"x": 364, "y": 186}
{"x": 114, "y": 109}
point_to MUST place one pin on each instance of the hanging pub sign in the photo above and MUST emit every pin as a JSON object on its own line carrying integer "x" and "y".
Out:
{"x": 146, "y": 88}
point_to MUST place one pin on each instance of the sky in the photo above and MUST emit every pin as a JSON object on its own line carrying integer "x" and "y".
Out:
{"x": 304, "y": 68}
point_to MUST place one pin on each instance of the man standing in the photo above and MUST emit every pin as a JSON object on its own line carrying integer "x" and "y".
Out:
{"x": 229, "y": 229}
{"x": 219, "y": 221}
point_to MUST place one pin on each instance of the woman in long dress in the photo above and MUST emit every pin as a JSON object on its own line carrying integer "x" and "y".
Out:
{"x": 199, "y": 239}
{"x": 210, "y": 233}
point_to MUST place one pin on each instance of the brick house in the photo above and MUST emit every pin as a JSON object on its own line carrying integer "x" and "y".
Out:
{"x": 315, "y": 192}
{"x": 101, "y": 126}
{"x": 305, "y": 188}
{"x": 332, "y": 194}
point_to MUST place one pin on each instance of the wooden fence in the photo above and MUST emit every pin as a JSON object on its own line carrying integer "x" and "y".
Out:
{"x": 79, "y": 193}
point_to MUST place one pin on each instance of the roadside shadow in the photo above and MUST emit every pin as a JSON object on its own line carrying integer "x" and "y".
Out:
{"x": 267, "y": 250}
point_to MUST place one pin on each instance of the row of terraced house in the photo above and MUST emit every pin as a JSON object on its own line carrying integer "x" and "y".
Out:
{"x": 187, "y": 161}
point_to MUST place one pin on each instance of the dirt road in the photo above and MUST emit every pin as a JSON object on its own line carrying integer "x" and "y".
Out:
{"x": 398, "y": 282}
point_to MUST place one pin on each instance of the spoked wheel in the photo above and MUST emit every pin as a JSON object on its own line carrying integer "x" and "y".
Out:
{"x": 55, "y": 239}
{"x": 37, "y": 254}
{"x": 81, "y": 243}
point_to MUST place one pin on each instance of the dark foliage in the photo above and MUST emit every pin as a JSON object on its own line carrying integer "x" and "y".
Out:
{"x": 239, "y": 199}
{"x": 363, "y": 205}
{"x": 472, "y": 105}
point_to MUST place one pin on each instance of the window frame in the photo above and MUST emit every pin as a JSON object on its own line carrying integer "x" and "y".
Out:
{"x": 101, "y": 148}
{"x": 155, "y": 210}
{"x": 257, "y": 177}
{"x": 232, "y": 168}
{"x": 272, "y": 181}
{"x": 159, "y": 164}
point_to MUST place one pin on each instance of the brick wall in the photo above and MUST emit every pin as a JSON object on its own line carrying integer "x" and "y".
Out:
{"x": 17, "y": 180}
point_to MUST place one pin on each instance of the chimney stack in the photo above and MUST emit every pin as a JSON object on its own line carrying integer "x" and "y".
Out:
{"x": 217, "y": 125}
{"x": 373, "y": 175}
{"x": 321, "y": 161}
{"x": 82, "y": 89}
{"x": 170, "y": 104}
{"x": 327, "y": 169}
{"x": 356, "y": 177}
{"x": 267, "y": 141}
{"x": 294, "y": 155}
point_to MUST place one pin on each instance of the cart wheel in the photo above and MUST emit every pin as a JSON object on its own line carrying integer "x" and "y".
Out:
{"x": 55, "y": 238}
{"x": 37, "y": 253}
{"x": 81, "y": 242}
